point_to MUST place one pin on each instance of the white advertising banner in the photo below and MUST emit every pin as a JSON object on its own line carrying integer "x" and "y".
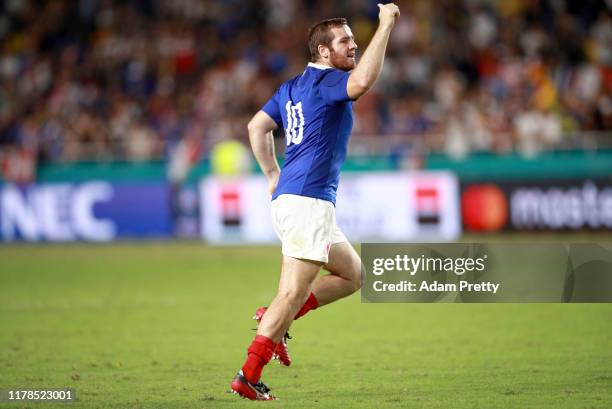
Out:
{"x": 398, "y": 206}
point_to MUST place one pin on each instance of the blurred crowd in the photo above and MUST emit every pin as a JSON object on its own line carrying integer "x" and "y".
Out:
{"x": 139, "y": 80}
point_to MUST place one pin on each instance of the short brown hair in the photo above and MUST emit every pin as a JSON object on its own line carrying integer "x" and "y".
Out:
{"x": 320, "y": 34}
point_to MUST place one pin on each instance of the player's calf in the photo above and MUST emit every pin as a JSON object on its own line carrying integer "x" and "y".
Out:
{"x": 281, "y": 353}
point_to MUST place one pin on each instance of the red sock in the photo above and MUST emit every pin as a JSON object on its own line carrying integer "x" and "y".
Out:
{"x": 260, "y": 352}
{"x": 311, "y": 304}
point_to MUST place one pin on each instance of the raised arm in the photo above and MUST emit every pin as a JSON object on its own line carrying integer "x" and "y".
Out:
{"x": 262, "y": 142}
{"x": 368, "y": 69}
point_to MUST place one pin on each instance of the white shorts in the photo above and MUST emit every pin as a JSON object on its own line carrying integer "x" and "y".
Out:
{"x": 306, "y": 226}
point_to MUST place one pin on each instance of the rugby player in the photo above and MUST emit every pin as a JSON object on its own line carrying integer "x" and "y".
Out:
{"x": 315, "y": 110}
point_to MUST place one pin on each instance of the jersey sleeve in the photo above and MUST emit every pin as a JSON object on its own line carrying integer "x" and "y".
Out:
{"x": 272, "y": 108}
{"x": 333, "y": 86}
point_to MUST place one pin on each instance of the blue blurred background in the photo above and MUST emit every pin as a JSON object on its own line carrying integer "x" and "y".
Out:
{"x": 127, "y": 119}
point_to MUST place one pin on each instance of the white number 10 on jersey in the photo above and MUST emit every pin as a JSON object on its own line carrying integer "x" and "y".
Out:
{"x": 295, "y": 123}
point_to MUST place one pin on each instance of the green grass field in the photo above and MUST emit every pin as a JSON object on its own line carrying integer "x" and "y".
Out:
{"x": 166, "y": 325}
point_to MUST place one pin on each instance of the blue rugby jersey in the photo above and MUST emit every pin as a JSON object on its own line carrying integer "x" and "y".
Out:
{"x": 317, "y": 115}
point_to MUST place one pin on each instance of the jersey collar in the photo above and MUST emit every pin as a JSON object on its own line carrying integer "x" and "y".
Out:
{"x": 318, "y": 66}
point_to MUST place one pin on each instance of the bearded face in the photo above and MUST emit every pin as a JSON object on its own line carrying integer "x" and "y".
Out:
{"x": 343, "y": 49}
{"x": 342, "y": 60}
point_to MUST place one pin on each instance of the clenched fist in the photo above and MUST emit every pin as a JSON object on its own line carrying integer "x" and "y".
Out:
{"x": 388, "y": 13}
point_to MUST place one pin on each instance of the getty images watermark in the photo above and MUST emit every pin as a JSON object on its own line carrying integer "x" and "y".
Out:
{"x": 462, "y": 272}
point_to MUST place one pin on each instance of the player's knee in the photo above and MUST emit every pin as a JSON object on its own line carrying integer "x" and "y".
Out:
{"x": 356, "y": 281}
{"x": 293, "y": 297}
